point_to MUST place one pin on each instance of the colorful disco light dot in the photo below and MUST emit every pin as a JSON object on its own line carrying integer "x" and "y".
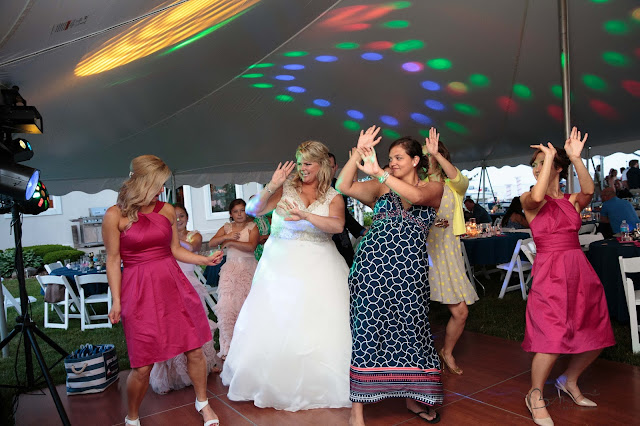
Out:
{"x": 466, "y": 109}
{"x": 389, "y": 120}
{"x": 507, "y": 104}
{"x": 378, "y": 45}
{"x": 457, "y": 127}
{"x": 408, "y": 45}
{"x": 556, "y": 90}
{"x": 371, "y": 56}
{"x": 435, "y": 105}
{"x": 631, "y": 86}
{"x": 521, "y": 91}
{"x": 295, "y": 54}
{"x": 457, "y": 88}
{"x": 326, "y": 58}
{"x": 296, "y": 89}
{"x": 351, "y": 125}
{"x": 604, "y": 109}
{"x": 616, "y": 27}
{"x": 424, "y": 133}
{"x": 439, "y": 64}
{"x": 431, "y": 85}
{"x": 421, "y": 118}
{"x": 322, "y": 102}
{"x": 562, "y": 59}
{"x": 314, "y": 112}
{"x": 347, "y": 46}
{"x": 594, "y": 82}
{"x": 262, "y": 85}
{"x": 284, "y": 98}
{"x": 599, "y": 1}
{"x": 615, "y": 59}
{"x": 293, "y": 67}
{"x": 396, "y": 24}
{"x": 555, "y": 112}
{"x": 261, "y": 65}
{"x": 479, "y": 80}
{"x": 399, "y": 4}
{"x": 356, "y": 115}
{"x": 412, "y": 66}
{"x": 391, "y": 134}
{"x": 635, "y": 14}
{"x": 254, "y": 75}
{"x": 285, "y": 77}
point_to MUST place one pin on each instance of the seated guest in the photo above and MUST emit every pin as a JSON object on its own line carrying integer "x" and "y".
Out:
{"x": 614, "y": 211}
{"x": 514, "y": 217}
{"x": 621, "y": 191}
{"x": 633, "y": 175}
{"x": 477, "y": 211}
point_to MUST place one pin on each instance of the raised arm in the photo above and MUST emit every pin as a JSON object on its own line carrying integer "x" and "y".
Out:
{"x": 111, "y": 238}
{"x": 267, "y": 199}
{"x": 531, "y": 200}
{"x": 573, "y": 146}
{"x": 431, "y": 146}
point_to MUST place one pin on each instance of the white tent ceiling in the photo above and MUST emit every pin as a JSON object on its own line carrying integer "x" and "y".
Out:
{"x": 115, "y": 79}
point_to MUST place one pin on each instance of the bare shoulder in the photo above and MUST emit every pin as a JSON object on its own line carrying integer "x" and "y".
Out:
{"x": 113, "y": 213}
{"x": 169, "y": 211}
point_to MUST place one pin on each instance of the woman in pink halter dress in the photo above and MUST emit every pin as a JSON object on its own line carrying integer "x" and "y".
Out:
{"x": 566, "y": 309}
{"x": 160, "y": 310}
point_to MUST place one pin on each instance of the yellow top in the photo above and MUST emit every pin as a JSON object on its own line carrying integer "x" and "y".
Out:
{"x": 458, "y": 186}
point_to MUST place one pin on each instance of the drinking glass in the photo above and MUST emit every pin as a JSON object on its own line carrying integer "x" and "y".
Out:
{"x": 67, "y": 263}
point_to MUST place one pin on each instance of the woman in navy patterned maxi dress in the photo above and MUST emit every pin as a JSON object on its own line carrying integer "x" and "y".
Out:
{"x": 392, "y": 349}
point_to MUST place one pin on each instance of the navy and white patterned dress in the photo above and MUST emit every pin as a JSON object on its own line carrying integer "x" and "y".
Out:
{"x": 392, "y": 349}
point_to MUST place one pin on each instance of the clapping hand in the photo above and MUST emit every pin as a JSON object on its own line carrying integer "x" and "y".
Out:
{"x": 368, "y": 139}
{"x": 292, "y": 212}
{"x": 575, "y": 144}
{"x": 369, "y": 163}
{"x": 281, "y": 173}
{"x": 431, "y": 143}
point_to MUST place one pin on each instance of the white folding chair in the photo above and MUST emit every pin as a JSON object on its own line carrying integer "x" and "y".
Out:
{"x": 70, "y": 301}
{"x": 51, "y": 266}
{"x": 631, "y": 265}
{"x": 589, "y": 228}
{"x": 212, "y": 297}
{"x": 529, "y": 249}
{"x": 85, "y": 317}
{"x": 469, "y": 270}
{"x": 12, "y": 302}
{"x": 586, "y": 239}
{"x": 519, "y": 266}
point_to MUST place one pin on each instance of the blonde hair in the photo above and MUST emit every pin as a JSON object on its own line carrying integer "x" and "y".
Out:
{"x": 146, "y": 179}
{"x": 316, "y": 152}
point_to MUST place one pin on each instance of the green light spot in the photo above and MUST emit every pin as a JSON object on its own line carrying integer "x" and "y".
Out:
{"x": 424, "y": 133}
{"x": 262, "y": 85}
{"x": 616, "y": 27}
{"x": 261, "y": 66}
{"x": 522, "y": 91}
{"x": 456, "y": 127}
{"x": 347, "y": 45}
{"x": 615, "y": 59}
{"x": 351, "y": 125}
{"x": 295, "y": 54}
{"x": 400, "y": 4}
{"x": 439, "y": 64}
{"x": 391, "y": 134}
{"x": 594, "y": 82}
{"x": 396, "y": 24}
{"x": 255, "y": 75}
{"x": 314, "y": 112}
{"x": 479, "y": 80}
{"x": 408, "y": 45}
{"x": 466, "y": 109}
{"x": 556, "y": 90}
{"x": 599, "y": 1}
{"x": 562, "y": 59}
{"x": 284, "y": 98}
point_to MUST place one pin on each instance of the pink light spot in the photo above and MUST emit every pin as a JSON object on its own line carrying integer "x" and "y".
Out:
{"x": 633, "y": 87}
{"x": 555, "y": 112}
{"x": 379, "y": 45}
{"x": 507, "y": 105}
{"x": 604, "y": 109}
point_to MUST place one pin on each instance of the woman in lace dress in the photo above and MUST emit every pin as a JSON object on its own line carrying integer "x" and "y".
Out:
{"x": 172, "y": 374}
{"x": 291, "y": 344}
{"x": 239, "y": 237}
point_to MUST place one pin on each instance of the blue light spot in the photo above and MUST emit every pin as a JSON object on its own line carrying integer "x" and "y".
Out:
{"x": 412, "y": 67}
{"x": 370, "y": 56}
{"x": 389, "y": 120}
{"x": 421, "y": 118}
{"x": 296, "y": 89}
{"x": 293, "y": 67}
{"x": 326, "y": 58}
{"x": 356, "y": 115}
{"x": 431, "y": 85}
{"x": 438, "y": 106}
{"x": 285, "y": 77}
{"x": 322, "y": 102}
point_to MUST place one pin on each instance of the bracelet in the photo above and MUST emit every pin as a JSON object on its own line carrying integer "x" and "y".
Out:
{"x": 267, "y": 188}
{"x": 384, "y": 177}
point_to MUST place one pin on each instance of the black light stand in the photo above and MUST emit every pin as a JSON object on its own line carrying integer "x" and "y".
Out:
{"x": 28, "y": 328}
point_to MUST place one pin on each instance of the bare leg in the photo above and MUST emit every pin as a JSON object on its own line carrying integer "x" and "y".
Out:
{"x": 357, "y": 414}
{"x": 455, "y": 327}
{"x": 540, "y": 368}
{"x": 417, "y": 407}
{"x": 577, "y": 365}
{"x": 137, "y": 385}
{"x": 197, "y": 369}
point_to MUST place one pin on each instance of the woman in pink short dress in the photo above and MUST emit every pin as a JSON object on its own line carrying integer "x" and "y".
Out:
{"x": 161, "y": 312}
{"x": 566, "y": 310}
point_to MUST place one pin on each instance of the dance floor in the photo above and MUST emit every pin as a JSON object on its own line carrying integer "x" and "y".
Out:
{"x": 491, "y": 391}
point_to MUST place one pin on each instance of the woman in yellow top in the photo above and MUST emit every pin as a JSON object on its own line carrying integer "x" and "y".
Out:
{"x": 447, "y": 278}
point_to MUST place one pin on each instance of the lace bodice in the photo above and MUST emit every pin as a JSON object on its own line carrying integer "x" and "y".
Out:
{"x": 302, "y": 229}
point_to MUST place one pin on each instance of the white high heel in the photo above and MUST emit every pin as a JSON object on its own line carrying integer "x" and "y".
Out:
{"x": 584, "y": 402}
{"x": 199, "y": 406}
{"x": 128, "y": 421}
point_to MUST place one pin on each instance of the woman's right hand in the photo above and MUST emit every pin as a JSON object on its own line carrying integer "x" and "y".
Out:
{"x": 114, "y": 313}
{"x": 281, "y": 174}
{"x": 431, "y": 143}
{"x": 368, "y": 139}
{"x": 549, "y": 151}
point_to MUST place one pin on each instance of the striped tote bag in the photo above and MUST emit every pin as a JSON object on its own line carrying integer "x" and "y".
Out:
{"x": 91, "y": 369}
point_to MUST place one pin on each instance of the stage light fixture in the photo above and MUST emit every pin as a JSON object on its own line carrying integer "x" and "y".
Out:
{"x": 20, "y": 149}
{"x": 16, "y": 116}
{"x": 18, "y": 181}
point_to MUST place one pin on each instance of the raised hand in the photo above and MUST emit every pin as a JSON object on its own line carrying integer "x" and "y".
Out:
{"x": 368, "y": 139}
{"x": 549, "y": 151}
{"x": 575, "y": 144}
{"x": 369, "y": 163}
{"x": 281, "y": 174}
{"x": 431, "y": 143}
{"x": 292, "y": 212}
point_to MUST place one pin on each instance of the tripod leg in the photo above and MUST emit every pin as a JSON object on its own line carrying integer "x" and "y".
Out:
{"x": 7, "y": 339}
{"x": 45, "y": 372}
{"x": 50, "y": 342}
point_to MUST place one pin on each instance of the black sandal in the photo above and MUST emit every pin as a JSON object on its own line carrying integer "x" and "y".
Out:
{"x": 436, "y": 419}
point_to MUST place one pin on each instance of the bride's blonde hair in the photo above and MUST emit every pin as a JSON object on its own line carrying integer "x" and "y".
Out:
{"x": 315, "y": 152}
{"x": 146, "y": 179}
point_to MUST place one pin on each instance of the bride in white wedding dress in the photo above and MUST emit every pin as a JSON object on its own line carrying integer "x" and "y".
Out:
{"x": 291, "y": 345}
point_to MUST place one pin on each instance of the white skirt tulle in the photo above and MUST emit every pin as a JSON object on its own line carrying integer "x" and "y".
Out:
{"x": 291, "y": 346}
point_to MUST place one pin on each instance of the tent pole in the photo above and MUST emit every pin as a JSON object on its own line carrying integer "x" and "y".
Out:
{"x": 566, "y": 79}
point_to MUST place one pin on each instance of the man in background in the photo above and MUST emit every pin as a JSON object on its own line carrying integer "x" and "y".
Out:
{"x": 614, "y": 211}
{"x": 477, "y": 211}
{"x": 633, "y": 175}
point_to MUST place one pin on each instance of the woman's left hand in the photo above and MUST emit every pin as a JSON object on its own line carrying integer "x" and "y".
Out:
{"x": 214, "y": 259}
{"x": 369, "y": 163}
{"x": 574, "y": 145}
{"x": 292, "y": 212}
{"x": 431, "y": 143}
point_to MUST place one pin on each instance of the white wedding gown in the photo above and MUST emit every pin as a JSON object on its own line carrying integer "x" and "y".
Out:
{"x": 291, "y": 346}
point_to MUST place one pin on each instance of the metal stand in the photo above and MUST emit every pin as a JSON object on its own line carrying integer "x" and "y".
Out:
{"x": 484, "y": 175}
{"x": 28, "y": 328}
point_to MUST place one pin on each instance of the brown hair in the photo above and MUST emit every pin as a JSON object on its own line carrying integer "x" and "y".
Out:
{"x": 561, "y": 160}
{"x": 316, "y": 152}
{"x": 413, "y": 149}
{"x": 234, "y": 203}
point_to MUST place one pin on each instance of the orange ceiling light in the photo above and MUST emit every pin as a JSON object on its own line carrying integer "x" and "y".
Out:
{"x": 160, "y": 31}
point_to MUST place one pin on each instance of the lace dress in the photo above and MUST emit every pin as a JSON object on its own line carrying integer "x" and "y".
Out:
{"x": 291, "y": 345}
{"x": 172, "y": 374}
{"x": 235, "y": 282}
